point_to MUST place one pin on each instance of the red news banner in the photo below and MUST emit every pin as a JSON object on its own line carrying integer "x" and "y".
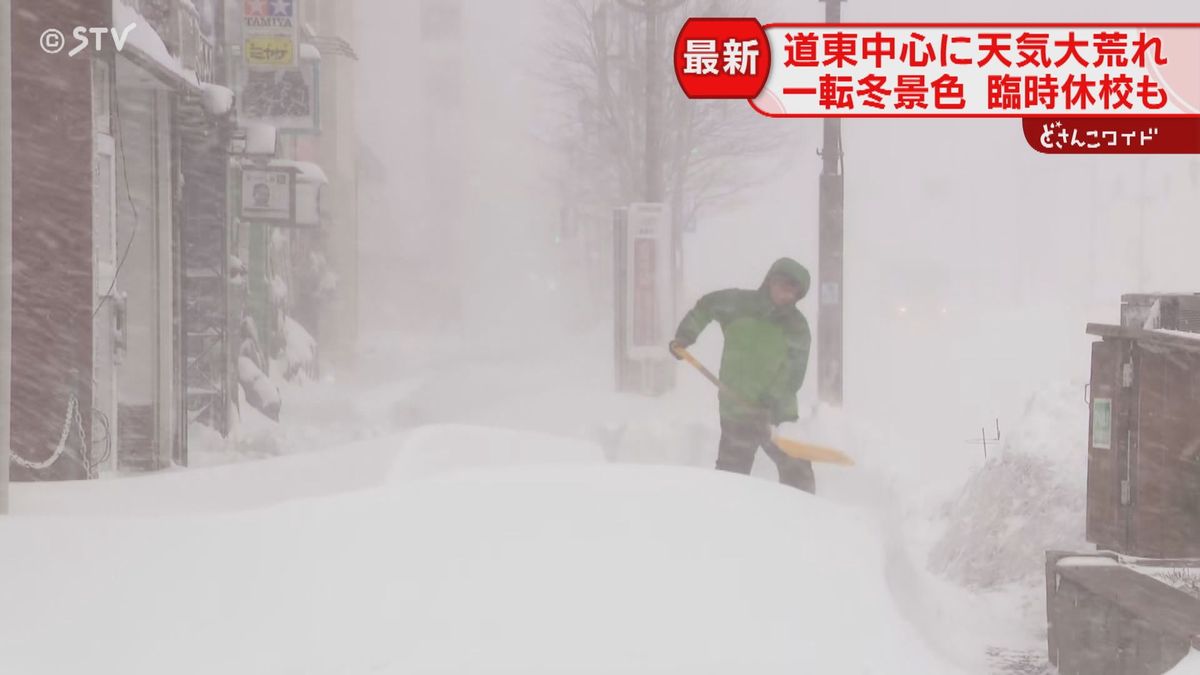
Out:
{"x": 1079, "y": 88}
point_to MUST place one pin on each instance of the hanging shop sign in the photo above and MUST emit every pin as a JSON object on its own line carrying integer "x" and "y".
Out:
{"x": 270, "y": 33}
{"x": 268, "y": 194}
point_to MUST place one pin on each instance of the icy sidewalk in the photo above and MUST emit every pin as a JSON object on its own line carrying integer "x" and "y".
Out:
{"x": 563, "y": 565}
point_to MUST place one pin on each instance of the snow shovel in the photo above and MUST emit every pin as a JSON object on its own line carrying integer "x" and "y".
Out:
{"x": 791, "y": 448}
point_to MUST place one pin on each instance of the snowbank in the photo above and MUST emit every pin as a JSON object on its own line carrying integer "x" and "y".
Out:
{"x": 445, "y": 448}
{"x": 1028, "y": 499}
{"x": 536, "y": 569}
{"x": 308, "y": 172}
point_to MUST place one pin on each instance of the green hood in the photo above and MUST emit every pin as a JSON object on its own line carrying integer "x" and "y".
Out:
{"x": 790, "y": 269}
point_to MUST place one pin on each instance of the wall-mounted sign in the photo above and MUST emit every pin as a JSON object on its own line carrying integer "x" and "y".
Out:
{"x": 268, "y": 194}
{"x": 285, "y": 98}
{"x": 270, "y": 50}
{"x": 1102, "y": 423}
{"x": 270, "y": 32}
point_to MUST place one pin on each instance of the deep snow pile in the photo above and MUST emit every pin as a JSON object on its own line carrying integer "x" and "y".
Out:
{"x": 1029, "y": 498}
{"x": 586, "y": 568}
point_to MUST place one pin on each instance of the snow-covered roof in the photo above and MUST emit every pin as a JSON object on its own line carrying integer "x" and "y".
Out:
{"x": 1170, "y": 339}
{"x": 145, "y": 41}
{"x": 308, "y": 171}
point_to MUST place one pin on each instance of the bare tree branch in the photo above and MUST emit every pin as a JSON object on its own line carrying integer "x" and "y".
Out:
{"x": 711, "y": 150}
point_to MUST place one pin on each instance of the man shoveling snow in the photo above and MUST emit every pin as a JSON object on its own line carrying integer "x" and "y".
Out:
{"x": 767, "y": 341}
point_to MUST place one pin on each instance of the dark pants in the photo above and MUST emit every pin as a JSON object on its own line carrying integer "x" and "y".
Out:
{"x": 740, "y": 440}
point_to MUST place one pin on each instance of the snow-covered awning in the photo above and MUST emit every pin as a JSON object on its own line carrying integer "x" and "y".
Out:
{"x": 307, "y": 172}
{"x": 217, "y": 100}
{"x": 309, "y": 52}
{"x": 145, "y": 47}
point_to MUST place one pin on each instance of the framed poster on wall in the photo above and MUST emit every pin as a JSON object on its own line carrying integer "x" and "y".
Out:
{"x": 268, "y": 194}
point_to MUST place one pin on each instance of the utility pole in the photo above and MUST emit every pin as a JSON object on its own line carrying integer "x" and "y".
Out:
{"x": 831, "y": 297}
{"x": 1143, "y": 198}
{"x": 654, "y": 177}
{"x": 652, "y": 9}
{"x": 653, "y": 375}
{"x": 6, "y": 181}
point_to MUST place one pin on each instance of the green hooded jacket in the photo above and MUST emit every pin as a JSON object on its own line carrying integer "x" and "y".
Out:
{"x": 766, "y": 347}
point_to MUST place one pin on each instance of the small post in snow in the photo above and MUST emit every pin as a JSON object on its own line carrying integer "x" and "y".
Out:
{"x": 984, "y": 440}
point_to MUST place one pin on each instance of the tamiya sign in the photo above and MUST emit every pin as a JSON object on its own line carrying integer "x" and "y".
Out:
{"x": 271, "y": 33}
{"x": 944, "y": 70}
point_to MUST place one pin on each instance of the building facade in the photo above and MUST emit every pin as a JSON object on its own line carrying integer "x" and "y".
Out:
{"x": 137, "y": 254}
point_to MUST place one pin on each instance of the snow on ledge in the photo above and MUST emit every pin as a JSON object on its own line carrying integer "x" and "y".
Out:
{"x": 309, "y": 52}
{"x": 1178, "y": 333}
{"x": 217, "y": 100}
{"x": 1088, "y": 561}
{"x": 148, "y": 42}
{"x": 309, "y": 172}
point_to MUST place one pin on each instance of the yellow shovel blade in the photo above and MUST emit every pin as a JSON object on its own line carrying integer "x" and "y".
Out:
{"x": 813, "y": 453}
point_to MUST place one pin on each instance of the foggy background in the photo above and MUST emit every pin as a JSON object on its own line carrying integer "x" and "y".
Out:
{"x": 972, "y": 262}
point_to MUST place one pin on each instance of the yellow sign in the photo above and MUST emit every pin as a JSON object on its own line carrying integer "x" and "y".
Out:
{"x": 270, "y": 50}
